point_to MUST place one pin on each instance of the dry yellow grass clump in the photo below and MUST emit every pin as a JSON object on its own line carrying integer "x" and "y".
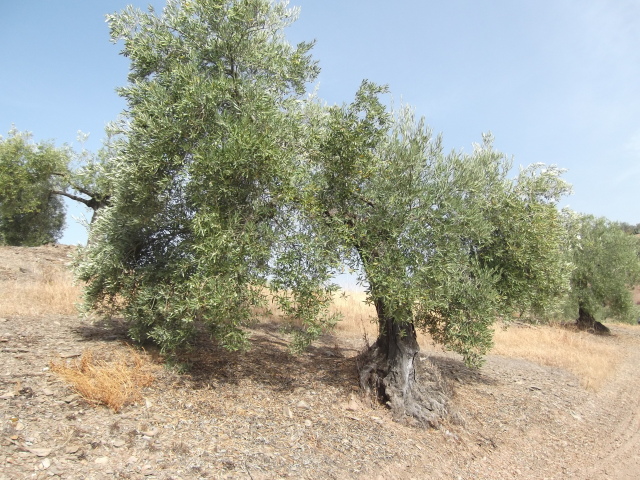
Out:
{"x": 590, "y": 357}
{"x": 113, "y": 383}
{"x": 47, "y": 291}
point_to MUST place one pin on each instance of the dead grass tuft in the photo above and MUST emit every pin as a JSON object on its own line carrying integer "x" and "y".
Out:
{"x": 591, "y": 358}
{"x": 113, "y": 383}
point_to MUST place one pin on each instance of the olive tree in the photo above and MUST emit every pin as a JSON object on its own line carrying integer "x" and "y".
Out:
{"x": 606, "y": 266}
{"x": 446, "y": 242}
{"x": 36, "y": 177}
{"x": 201, "y": 222}
{"x": 229, "y": 184}
{"x": 30, "y": 214}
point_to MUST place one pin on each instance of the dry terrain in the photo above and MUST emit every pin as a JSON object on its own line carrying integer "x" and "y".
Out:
{"x": 549, "y": 402}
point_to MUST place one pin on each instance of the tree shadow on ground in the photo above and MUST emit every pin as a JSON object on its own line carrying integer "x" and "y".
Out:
{"x": 268, "y": 362}
{"x": 106, "y": 330}
{"x": 455, "y": 371}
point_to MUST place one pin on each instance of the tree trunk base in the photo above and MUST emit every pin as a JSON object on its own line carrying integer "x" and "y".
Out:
{"x": 413, "y": 389}
{"x": 589, "y": 324}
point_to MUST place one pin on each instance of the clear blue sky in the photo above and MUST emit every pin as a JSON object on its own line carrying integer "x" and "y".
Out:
{"x": 555, "y": 81}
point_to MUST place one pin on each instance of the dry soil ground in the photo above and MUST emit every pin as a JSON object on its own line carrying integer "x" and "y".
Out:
{"x": 265, "y": 414}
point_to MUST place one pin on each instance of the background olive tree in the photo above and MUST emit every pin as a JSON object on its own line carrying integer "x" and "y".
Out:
{"x": 30, "y": 214}
{"x": 606, "y": 266}
{"x": 36, "y": 177}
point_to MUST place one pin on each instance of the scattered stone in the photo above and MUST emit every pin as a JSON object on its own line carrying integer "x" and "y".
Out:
{"x": 287, "y": 412}
{"x": 70, "y": 354}
{"x": 46, "y": 463}
{"x": 70, "y": 398}
{"x": 71, "y": 449}
{"x": 304, "y": 405}
{"x": 40, "y": 452}
{"x": 150, "y": 432}
{"x": 101, "y": 460}
{"x": 47, "y": 391}
{"x": 147, "y": 470}
{"x": 118, "y": 443}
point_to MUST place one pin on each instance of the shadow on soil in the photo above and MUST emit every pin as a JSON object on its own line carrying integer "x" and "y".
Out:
{"x": 268, "y": 362}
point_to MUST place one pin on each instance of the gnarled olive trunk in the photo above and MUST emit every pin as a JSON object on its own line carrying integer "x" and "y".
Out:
{"x": 391, "y": 368}
{"x": 586, "y": 322}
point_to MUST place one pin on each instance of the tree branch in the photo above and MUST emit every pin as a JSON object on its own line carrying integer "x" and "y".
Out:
{"x": 92, "y": 203}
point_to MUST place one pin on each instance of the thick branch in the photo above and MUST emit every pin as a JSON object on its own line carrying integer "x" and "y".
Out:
{"x": 92, "y": 203}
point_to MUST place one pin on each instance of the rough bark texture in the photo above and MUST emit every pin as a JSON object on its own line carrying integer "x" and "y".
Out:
{"x": 392, "y": 369}
{"x": 586, "y": 322}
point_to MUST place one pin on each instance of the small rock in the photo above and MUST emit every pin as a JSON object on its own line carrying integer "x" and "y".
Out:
{"x": 46, "y": 463}
{"x": 303, "y": 404}
{"x": 308, "y": 423}
{"x": 54, "y": 471}
{"x": 119, "y": 443}
{"x": 70, "y": 398}
{"x": 71, "y": 449}
{"x": 353, "y": 405}
{"x": 47, "y": 391}
{"x": 287, "y": 412}
{"x": 40, "y": 452}
{"x": 147, "y": 470}
{"x": 151, "y": 432}
{"x": 19, "y": 426}
{"x": 101, "y": 460}
{"x": 70, "y": 354}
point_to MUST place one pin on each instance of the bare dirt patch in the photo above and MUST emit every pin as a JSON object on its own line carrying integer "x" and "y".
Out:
{"x": 265, "y": 414}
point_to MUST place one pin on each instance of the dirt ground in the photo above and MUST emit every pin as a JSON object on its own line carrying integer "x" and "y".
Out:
{"x": 266, "y": 415}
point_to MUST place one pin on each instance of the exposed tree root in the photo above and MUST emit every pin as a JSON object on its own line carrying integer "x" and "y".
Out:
{"x": 413, "y": 389}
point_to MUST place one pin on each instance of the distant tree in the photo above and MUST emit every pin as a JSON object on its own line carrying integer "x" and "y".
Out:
{"x": 29, "y": 213}
{"x": 631, "y": 229}
{"x": 606, "y": 263}
{"x": 446, "y": 243}
{"x": 34, "y": 178}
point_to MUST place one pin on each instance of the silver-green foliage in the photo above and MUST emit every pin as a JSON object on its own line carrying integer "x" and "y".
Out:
{"x": 30, "y": 214}
{"x": 445, "y": 241}
{"x": 606, "y": 265}
{"x": 201, "y": 220}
